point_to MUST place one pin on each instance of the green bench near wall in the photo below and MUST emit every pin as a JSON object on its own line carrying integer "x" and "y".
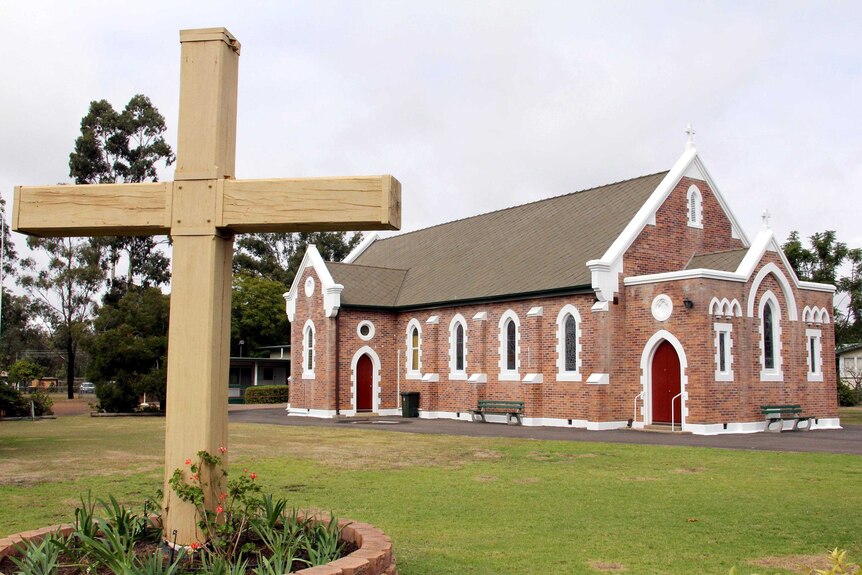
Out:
{"x": 512, "y": 409}
{"x": 779, "y": 413}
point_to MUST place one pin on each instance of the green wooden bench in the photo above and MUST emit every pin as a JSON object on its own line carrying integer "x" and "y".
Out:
{"x": 780, "y": 413}
{"x": 513, "y": 410}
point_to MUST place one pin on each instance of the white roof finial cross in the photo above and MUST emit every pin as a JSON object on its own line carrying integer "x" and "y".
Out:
{"x": 689, "y": 145}
{"x": 765, "y": 217}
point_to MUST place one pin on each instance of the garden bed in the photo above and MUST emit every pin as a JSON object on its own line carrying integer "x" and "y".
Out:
{"x": 367, "y": 550}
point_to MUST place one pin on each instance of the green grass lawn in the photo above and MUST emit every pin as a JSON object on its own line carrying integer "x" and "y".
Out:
{"x": 850, "y": 415}
{"x": 474, "y": 505}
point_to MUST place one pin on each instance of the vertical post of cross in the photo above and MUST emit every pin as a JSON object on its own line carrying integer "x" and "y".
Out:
{"x": 199, "y": 338}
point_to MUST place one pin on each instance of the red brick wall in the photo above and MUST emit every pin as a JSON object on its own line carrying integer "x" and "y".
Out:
{"x": 612, "y": 342}
{"x": 670, "y": 243}
{"x": 312, "y": 393}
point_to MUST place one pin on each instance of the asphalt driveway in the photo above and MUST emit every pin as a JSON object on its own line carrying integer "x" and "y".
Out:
{"x": 847, "y": 440}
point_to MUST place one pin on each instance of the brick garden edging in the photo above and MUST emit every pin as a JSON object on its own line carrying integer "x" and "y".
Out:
{"x": 373, "y": 557}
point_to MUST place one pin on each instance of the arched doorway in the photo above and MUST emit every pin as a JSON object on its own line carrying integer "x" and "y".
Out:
{"x": 666, "y": 385}
{"x": 364, "y": 384}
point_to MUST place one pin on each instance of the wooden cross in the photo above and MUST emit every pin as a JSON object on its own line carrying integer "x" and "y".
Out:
{"x": 202, "y": 209}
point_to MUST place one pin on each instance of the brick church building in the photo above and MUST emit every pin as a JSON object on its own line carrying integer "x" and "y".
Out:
{"x": 637, "y": 303}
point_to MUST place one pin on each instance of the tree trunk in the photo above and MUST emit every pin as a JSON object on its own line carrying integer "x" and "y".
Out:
{"x": 70, "y": 366}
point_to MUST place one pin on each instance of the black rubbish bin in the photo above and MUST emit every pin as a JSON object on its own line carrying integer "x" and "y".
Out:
{"x": 409, "y": 404}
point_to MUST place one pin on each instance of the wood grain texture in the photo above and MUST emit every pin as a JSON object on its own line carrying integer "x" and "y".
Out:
{"x": 304, "y": 204}
{"x": 91, "y": 210}
{"x": 206, "y": 139}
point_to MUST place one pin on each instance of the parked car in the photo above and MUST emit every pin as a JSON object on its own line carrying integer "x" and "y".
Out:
{"x": 88, "y": 387}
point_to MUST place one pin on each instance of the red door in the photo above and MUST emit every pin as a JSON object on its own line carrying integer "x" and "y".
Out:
{"x": 364, "y": 384}
{"x": 666, "y": 385}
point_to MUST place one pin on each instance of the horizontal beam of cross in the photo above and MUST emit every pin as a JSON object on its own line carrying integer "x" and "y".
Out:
{"x": 240, "y": 206}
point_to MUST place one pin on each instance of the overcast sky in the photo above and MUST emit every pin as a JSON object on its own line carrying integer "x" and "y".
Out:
{"x": 475, "y": 106}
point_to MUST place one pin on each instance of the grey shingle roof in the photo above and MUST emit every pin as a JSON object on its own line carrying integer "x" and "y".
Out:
{"x": 726, "y": 261}
{"x": 367, "y": 285}
{"x": 536, "y": 247}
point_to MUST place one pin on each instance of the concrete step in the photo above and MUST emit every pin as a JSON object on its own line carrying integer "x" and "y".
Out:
{"x": 663, "y": 428}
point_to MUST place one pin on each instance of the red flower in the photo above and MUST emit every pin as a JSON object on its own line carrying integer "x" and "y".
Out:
{"x": 195, "y": 476}
{"x": 222, "y": 449}
{"x": 219, "y": 509}
{"x": 222, "y": 497}
{"x": 253, "y": 476}
{"x": 188, "y": 461}
{"x": 245, "y": 470}
{"x": 195, "y": 546}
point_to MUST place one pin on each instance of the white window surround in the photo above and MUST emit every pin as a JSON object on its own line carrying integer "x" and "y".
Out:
{"x": 454, "y": 373}
{"x": 308, "y": 335}
{"x": 371, "y": 330}
{"x": 694, "y": 203}
{"x": 562, "y": 373}
{"x": 726, "y": 329}
{"x": 775, "y": 373}
{"x": 509, "y": 374}
{"x": 413, "y": 371}
{"x": 815, "y": 337}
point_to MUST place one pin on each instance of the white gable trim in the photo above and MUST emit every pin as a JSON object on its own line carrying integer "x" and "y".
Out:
{"x": 331, "y": 290}
{"x": 764, "y": 241}
{"x": 606, "y": 270}
{"x": 771, "y": 268}
{"x": 358, "y": 250}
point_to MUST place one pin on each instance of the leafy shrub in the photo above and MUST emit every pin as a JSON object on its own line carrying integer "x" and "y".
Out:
{"x": 267, "y": 394}
{"x": 42, "y": 402}
{"x": 15, "y": 404}
{"x": 115, "y": 397}
{"x": 12, "y": 403}
{"x": 847, "y": 397}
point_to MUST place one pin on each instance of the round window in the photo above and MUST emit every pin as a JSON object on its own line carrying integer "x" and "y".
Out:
{"x": 309, "y": 286}
{"x": 365, "y": 329}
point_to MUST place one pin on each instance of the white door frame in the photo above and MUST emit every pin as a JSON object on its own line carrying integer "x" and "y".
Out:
{"x": 375, "y": 378}
{"x": 646, "y": 374}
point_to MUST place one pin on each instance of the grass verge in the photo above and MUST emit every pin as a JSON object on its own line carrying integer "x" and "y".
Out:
{"x": 476, "y": 505}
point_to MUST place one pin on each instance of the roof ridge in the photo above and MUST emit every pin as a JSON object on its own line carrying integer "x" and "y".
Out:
{"x": 352, "y": 264}
{"x": 521, "y": 206}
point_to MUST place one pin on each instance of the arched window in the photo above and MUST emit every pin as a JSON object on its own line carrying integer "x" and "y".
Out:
{"x": 569, "y": 344}
{"x": 695, "y": 207}
{"x": 770, "y": 338}
{"x": 414, "y": 350}
{"x": 571, "y": 352}
{"x": 308, "y": 358}
{"x": 510, "y": 347}
{"x": 458, "y": 347}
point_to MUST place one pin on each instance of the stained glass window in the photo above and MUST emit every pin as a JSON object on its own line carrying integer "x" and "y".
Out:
{"x": 309, "y": 348}
{"x": 414, "y": 349}
{"x": 768, "y": 338}
{"x": 459, "y": 347}
{"x": 510, "y": 345}
{"x": 571, "y": 328}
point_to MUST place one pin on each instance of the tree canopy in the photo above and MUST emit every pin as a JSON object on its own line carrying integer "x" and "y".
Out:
{"x": 125, "y": 147}
{"x": 822, "y": 262}
{"x": 128, "y": 349}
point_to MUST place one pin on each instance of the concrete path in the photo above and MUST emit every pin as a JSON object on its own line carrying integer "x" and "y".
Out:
{"x": 847, "y": 440}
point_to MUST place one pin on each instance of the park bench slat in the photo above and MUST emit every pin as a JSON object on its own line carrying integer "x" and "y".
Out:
{"x": 779, "y": 413}
{"x": 512, "y": 409}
